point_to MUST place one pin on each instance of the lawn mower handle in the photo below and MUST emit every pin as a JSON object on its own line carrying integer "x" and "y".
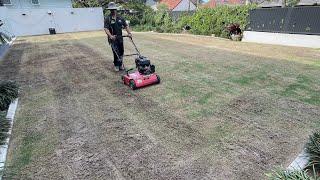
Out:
{"x": 135, "y": 54}
{"x": 138, "y": 52}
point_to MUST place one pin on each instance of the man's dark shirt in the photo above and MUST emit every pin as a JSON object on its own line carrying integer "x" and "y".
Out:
{"x": 115, "y": 26}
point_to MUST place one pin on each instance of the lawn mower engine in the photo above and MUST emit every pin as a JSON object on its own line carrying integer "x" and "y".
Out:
{"x": 144, "y": 74}
{"x": 144, "y": 66}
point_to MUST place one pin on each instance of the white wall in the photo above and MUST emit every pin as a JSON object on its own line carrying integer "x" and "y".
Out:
{"x": 299, "y": 40}
{"x": 38, "y": 21}
{"x": 151, "y": 2}
{"x": 5, "y": 28}
{"x": 21, "y": 4}
{"x": 184, "y": 6}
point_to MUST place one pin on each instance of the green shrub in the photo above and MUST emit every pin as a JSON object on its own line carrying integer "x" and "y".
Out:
{"x": 313, "y": 151}
{"x": 4, "y": 128}
{"x": 214, "y": 21}
{"x": 8, "y": 92}
{"x": 281, "y": 174}
{"x": 139, "y": 8}
{"x": 205, "y": 21}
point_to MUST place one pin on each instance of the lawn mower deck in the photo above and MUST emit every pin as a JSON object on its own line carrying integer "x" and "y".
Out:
{"x": 137, "y": 80}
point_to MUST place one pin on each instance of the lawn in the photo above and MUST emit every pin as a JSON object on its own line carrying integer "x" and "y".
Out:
{"x": 224, "y": 110}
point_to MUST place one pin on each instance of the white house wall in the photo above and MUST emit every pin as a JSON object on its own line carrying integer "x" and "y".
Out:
{"x": 5, "y": 28}
{"x": 184, "y": 6}
{"x": 38, "y": 21}
{"x": 151, "y": 2}
{"x": 22, "y": 4}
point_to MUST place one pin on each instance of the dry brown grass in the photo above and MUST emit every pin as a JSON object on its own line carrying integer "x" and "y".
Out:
{"x": 220, "y": 112}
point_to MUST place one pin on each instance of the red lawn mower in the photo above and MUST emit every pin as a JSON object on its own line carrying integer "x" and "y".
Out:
{"x": 143, "y": 75}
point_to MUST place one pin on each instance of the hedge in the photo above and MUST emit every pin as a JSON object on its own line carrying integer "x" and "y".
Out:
{"x": 205, "y": 21}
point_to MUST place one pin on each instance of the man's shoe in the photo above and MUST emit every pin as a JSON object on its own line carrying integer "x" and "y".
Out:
{"x": 121, "y": 68}
{"x": 116, "y": 68}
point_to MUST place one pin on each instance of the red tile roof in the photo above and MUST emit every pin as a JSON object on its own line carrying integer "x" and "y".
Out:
{"x": 210, "y": 4}
{"x": 214, "y": 3}
{"x": 235, "y": 2}
{"x": 171, "y": 3}
{"x": 174, "y": 3}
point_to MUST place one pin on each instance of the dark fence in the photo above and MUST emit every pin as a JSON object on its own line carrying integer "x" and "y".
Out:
{"x": 294, "y": 20}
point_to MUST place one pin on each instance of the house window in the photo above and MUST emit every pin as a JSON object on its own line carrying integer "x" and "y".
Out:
{"x": 6, "y": 2}
{"x": 35, "y": 2}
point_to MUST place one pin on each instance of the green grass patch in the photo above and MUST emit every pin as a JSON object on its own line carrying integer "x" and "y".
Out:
{"x": 316, "y": 64}
{"x": 28, "y": 145}
{"x": 243, "y": 80}
{"x": 32, "y": 143}
{"x": 250, "y": 78}
{"x": 303, "y": 90}
{"x": 205, "y": 98}
{"x": 25, "y": 154}
{"x": 200, "y": 112}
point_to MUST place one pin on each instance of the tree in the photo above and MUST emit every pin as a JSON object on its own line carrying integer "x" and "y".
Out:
{"x": 292, "y": 2}
{"x": 103, "y": 3}
{"x": 86, "y": 3}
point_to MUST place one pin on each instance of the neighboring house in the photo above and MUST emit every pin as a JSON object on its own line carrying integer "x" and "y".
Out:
{"x": 27, "y": 4}
{"x": 210, "y": 4}
{"x": 309, "y": 2}
{"x": 279, "y": 3}
{"x": 268, "y": 3}
{"x": 152, "y": 3}
{"x": 5, "y": 38}
{"x": 180, "y": 5}
{"x": 36, "y": 17}
{"x": 214, "y": 3}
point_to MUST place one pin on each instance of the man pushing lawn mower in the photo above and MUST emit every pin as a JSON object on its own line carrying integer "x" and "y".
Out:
{"x": 113, "y": 25}
{"x": 144, "y": 74}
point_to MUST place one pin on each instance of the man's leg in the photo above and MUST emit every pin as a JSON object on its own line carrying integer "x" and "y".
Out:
{"x": 115, "y": 56}
{"x": 121, "y": 52}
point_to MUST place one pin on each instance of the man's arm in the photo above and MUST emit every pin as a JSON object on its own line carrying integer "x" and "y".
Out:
{"x": 109, "y": 34}
{"x": 128, "y": 31}
{"x": 106, "y": 28}
{"x": 126, "y": 27}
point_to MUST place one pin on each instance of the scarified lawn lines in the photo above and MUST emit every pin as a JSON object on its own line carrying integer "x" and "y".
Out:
{"x": 216, "y": 113}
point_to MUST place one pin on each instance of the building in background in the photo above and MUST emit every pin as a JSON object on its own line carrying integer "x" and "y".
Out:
{"x": 180, "y": 5}
{"x": 260, "y": 3}
{"x": 36, "y": 17}
{"x": 152, "y": 3}
{"x": 37, "y": 4}
{"x": 214, "y": 3}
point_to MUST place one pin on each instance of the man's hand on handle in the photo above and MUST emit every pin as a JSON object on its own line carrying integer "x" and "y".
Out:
{"x": 112, "y": 37}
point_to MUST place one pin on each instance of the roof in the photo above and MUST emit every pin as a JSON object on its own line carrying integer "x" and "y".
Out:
{"x": 170, "y": 3}
{"x": 236, "y": 2}
{"x": 210, "y": 4}
{"x": 214, "y": 3}
{"x": 174, "y": 3}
